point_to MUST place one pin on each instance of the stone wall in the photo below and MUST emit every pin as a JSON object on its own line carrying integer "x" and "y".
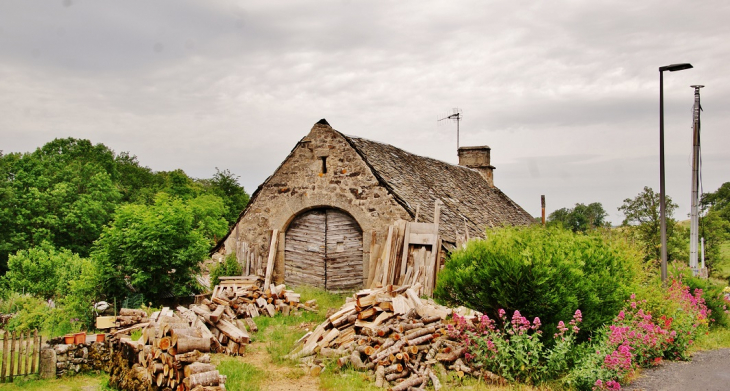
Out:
{"x": 72, "y": 359}
{"x": 302, "y": 183}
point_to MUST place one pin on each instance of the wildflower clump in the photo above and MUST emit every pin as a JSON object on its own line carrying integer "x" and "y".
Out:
{"x": 636, "y": 339}
{"x": 513, "y": 349}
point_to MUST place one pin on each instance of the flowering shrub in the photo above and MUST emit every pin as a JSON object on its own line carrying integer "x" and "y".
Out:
{"x": 637, "y": 339}
{"x": 515, "y": 350}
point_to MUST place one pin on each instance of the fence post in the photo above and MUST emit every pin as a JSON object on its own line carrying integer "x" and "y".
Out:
{"x": 12, "y": 356}
{"x": 28, "y": 342}
{"x": 36, "y": 350}
{"x": 4, "y": 356}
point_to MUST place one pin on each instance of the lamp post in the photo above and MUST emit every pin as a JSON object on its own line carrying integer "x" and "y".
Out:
{"x": 662, "y": 206}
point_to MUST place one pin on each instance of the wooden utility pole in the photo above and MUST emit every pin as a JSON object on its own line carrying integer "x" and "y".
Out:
{"x": 542, "y": 201}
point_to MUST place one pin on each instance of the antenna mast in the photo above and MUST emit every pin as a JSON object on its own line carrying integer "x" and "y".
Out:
{"x": 456, "y": 116}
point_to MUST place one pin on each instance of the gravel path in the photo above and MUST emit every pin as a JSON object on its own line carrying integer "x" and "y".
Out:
{"x": 708, "y": 370}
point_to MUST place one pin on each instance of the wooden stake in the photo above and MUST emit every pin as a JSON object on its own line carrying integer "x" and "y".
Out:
{"x": 27, "y": 353}
{"x": 272, "y": 257}
{"x": 4, "y": 357}
{"x": 12, "y": 355}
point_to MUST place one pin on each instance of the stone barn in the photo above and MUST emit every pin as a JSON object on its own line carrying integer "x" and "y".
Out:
{"x": 335, "y": 194}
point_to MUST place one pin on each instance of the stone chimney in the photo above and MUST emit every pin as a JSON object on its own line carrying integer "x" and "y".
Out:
{"x": 478, "y": 159}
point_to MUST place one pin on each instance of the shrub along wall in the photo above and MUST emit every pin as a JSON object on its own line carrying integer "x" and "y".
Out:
{"x": 542, "y": 272}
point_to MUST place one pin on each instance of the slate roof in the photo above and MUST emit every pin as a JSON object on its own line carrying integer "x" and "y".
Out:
{"x": 416, "y": 180}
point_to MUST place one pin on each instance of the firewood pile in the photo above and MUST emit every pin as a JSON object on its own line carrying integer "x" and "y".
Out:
{"x": 129, "y": 317}
{"x": 232, "y": 307}
{"x": 219, "y": 325}
{"x": 172, "y": 352}
{"x": 250, "y": 301}
{"x": 392, "y": 334}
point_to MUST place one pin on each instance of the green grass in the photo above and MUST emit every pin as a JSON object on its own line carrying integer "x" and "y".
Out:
{"x": 334, "y": 379}
{"x": 723, "y": 265}
{"x": 67, "y": 383}
{"x": 717, "y": 338}
{"x": 242, "y": 376}
{"x": 281, "y": 332}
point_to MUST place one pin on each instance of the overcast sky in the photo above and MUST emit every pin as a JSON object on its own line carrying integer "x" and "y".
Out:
{"x": 566, "y": 93}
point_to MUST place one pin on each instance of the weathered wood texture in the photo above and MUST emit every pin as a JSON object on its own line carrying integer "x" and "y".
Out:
{"x": 411, "y": 254}
{"x": 395, "y": 333}
{"x": 20, "y": 355}
{"x": 324, "y": 249}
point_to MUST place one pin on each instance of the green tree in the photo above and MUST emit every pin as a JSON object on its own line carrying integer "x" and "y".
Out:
{"x": 718, "y": 201}
{"x": 642, "y": 219}
{"x": 63, "y": 193}
{"x": 154, "y": 249}
{"x": 581, "y": 218}
{"x": 715, "y": 225}
{"x": 225, "y": 185}
{"x": 136, "y": 183}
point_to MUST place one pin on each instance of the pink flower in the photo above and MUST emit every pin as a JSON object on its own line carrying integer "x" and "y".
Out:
{"x": 536, "y": 323}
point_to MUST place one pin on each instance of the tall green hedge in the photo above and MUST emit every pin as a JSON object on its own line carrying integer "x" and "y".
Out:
{"x": 542, "y": 272}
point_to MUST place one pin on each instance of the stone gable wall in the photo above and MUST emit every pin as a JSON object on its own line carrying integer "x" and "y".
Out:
{"x": 300, "y": 185}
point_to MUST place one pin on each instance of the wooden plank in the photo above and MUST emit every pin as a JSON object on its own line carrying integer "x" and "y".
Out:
{"x": 429, "y": 239}
{"x": 272, "y": 257}
{"x": 344, "y": 257}
{"x": 383, "y": 265}
{"x": 4, "y": 357}
{"x": 305, "y": 249}
{"x": 423, "y": 228}
{"x": 12, "y": 356}
{"x": 34, "y": 352}
{"x": 404, "y": 258}
{"x": 27, "y": 353}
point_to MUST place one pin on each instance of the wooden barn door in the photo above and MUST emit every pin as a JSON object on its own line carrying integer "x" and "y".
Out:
{"x": 343, "y": 252}
{"x": 324, "y": 249}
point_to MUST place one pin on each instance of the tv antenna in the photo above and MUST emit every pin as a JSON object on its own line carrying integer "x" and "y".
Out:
{"x": 455, "y": 116}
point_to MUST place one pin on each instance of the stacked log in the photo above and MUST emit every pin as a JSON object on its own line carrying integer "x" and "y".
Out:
{"x": 172, "y": 353}
{"x": 390, "y": 332}
{"x": 218, "y": 323}
{"x": 248, "y": 300}
{"x": 129, "y": 317}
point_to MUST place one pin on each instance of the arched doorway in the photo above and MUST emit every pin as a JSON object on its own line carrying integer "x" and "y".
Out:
{"x": 324, "y": 249}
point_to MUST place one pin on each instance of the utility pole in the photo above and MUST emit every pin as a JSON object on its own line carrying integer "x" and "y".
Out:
{"x": 542, "y": 202}
{"x": 694, "y": 218}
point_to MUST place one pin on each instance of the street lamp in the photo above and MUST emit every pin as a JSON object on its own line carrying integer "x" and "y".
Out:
{"x": 662, "y": 206}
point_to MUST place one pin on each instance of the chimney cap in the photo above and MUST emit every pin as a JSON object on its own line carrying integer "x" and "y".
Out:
{"x": 482, "y": 147}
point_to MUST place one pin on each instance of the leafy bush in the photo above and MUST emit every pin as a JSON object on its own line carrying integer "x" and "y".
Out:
{"x": 547, "y": 273}
{"x": 30, "y": 313}
{"x": 43, "y": 271}
{"x": 230, "y": 267}
{"x": 43, "y": 274}
{"x": 157, "y": 248}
